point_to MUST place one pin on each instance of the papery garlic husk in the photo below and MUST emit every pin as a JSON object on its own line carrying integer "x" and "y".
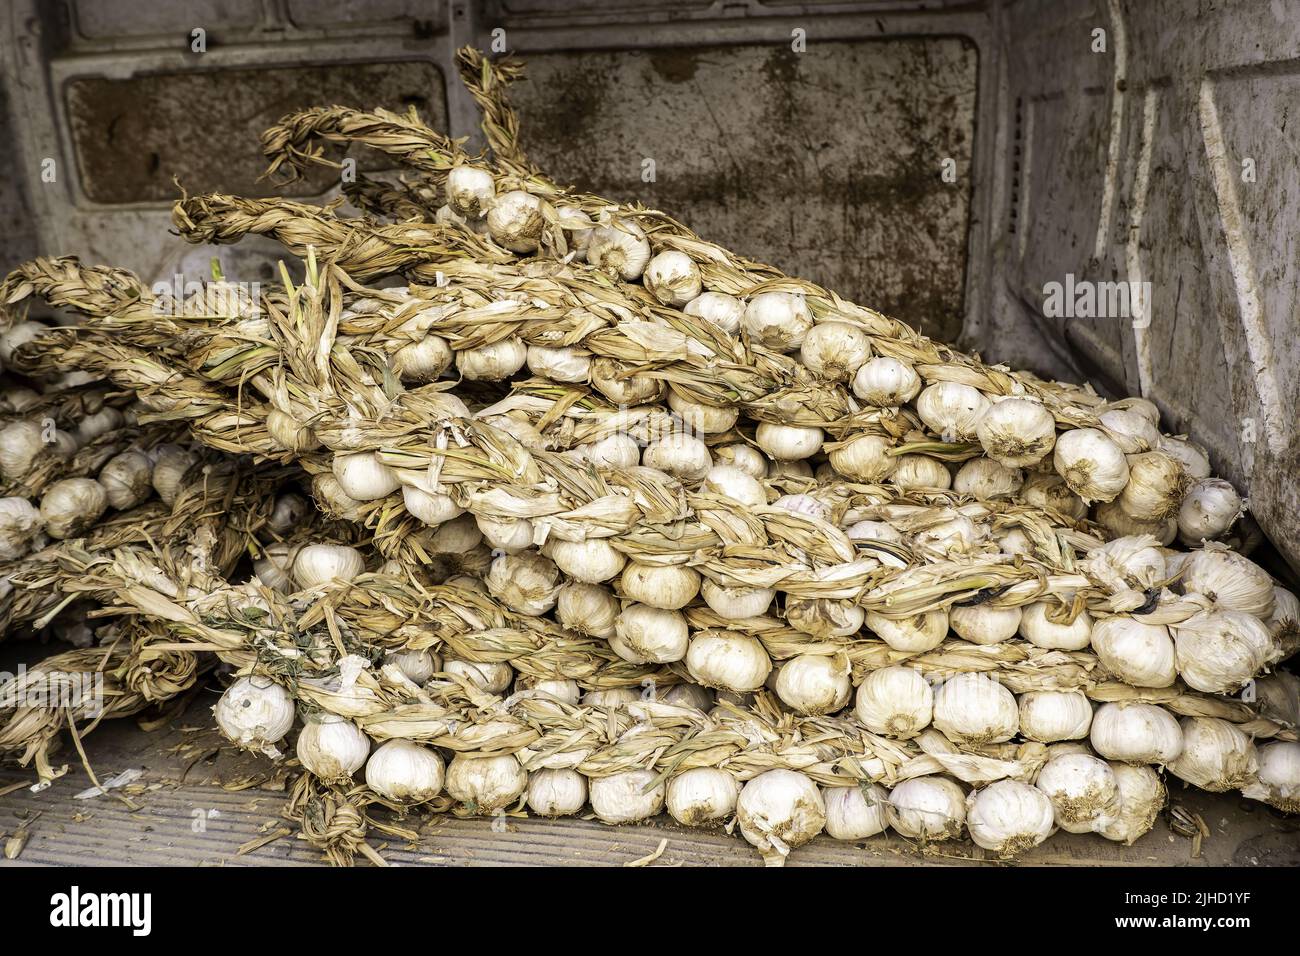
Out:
{"x": 824, "y": 618}
{"x": 1115, "y": 520}
{"x": 915, "y": 634}
{"x": 886, "y": 382}
{"x": 930, "y": 809}
{"x": 971, "y": 709}
{"x": 18, "y": 334}
{"x": 254, "y": 713}
{"x": 1231, "y": 580}
{"x": 274, "y": 568}
{"x": 1049, "y": 716}
{"x": 422, "y": 361}
{"x": 432, "y": 509}
{"x": 788, "y": 469}
{"x": 804, "y": 505}
{"x": 417, "y": 666}
{"x": 788, "y": 442}
{"x": 1083, "y": 791}
{"x": 834, "y": 351}
{"x": 1038, "y": 627}
{"x": 1050, "y": 491}
{"x": 1277, "y": 697}
{"x": 650, "y": 635}
{"x": 1133, "y": 562}
{"x": 687, "y": 694}
{"x": 920, "y": 471}
{"x": 1137, "y": 653}
{"x": 1141, "y": 798}
{"x": 735, "y": 604}
{"x": 470, "y": 191}
{"x": 855, "y": 812}
{"x": 1210, "y": 507}
{"x": 577, "y": 227}
{"x": 405, "y": 772}
{"x": 1009, "y": 817}
{"x": 289, "y": 433}
{"x": 321, "y": 563}
{"x": 619, "y": 250}
{"x": 1015, "y": 541}
{"x": 670, "y": 587}
{"x": 611, "y": 698}
{"x": 727, "y": 660}
{"x": 778, "y": 811}
{"x": 289, "y": 512}
{"x": 494, "y": 362}
{"x": 1192, "y": 456}
{"x": 559, "y": 364}
{"x": 722, "y": 310}
{"x": 874, "y": 531}
{"x": 556, "y": 793}
{"x": 1016, "y": 432}
{"x": 527, "y": 583}
{"x": 1219, "y": 651}
{"x": 895, "y": 701}
{"x": 1216, "y": 755}
{"x": 510, "y": 535}
{"x": 20, "y": 523}
{"x": 171, "y": 462}
{"x": 777, "y": 320}
{"x": 1284, "y": 622}
{"x": 812, "y": 684}
{"x": 613, "y": 452}
{"x": 71, "y": 506}
{"x": 615, "y": 381}
{"x": 952, "y": 410}
{"x": 549, "y": 696}
{"x": 984, "y": 623}
{"x": 672, "y": 277}
{"x": 986, "y": 480}
{"x": 957, "y": 534}
{"x": 682, "y": 456}
{"x": 587, "y": 609}
{"x": 486, "y": 784}
{"x": 1155, "y": 489}
{"x": 704, "y": 419}
{"x": 106, "y": 420}
{"x": 733, "y": 484}
{"x": 863, "y": 458}
{"x": 495, "y": 677}
{"x": 515, "y": 220}
{"x": 1130, "y": 429}
{"x": 591, "y": 561}
{"x": 65, "y": 446}
{"x": 1278, "y": 781}
{"x": 1136, "y": 733}
{"x": 333, "y": 748}
{"x": 1091, "y": 463}
{"x": 626, "y": 797}
{"x": 18, "y": 398}
{"x": 702, "y": 797}
{"x": 331, "y": 499}
{"x": 364, "y": 477}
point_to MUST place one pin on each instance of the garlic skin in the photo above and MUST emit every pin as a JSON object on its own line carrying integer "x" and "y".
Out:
{"x": 971, "y": 709}
{"x": 107, "y": 419}
{"x": 670, "y": 587}
{"x": 704, "y": 419}
{"x": 1092, "y": 465}
{"x": 824, "y": 618}
{"x": 1017, "y": 432}
{"x": 527, "y": 583}
{"x": 405, "y": 772}
{"x": 895, "y": 702}
{"x": 20, "y": 523}
{"x": 927, "y": 808}
{"x": 1195, "y": 462}
{"x": 559, "y": 364}
{"x": 834, "y": 351}
{"x": 1141, "y": 798}
{"x": 275, "y": 566}
{"x": 591, "y": 562}
{"x": 1136, "y": 733}
{"x": 1278, "y": 782}
{"x": 515, "y": 220}
{"x": 612, "y": 698}
{"x": 1130, "y": 429}
{"x": 333, "y": 748}
{"x": 856, "y": 812}
{"x": 1009, "y": 817}
{"x": 952, "y": 410}
{"x": 1133, "y": 562}
{"x": 20, "y": 443}
{"x": 1209, "y": 509}
{"x": 1219, "y": 651}
{"x": 1155, "y": 489}
{"x": 1049, "y": 716}
{"x": 986, "y": 480}
{"x": 587, "y": 609}
{"x": 556, "y": 793}
{"x": 673, "y": 278}
{"x": 650, "y": 635}
{"x": 873, "y": 531}
{"x": 1216, "y": 755}
{"x": 788, "y": 442}
{"x": 788, "y": 469}
{"x": 510, "y": 535}
{"x": 470, "y": 191}
{"x": 1114, "y": 519}
{"x": 623, "y": 798}
{"x": 805, "y": 505}
{"x": 486, "y": 784}
{"x": 779, "y": 321}
{"x": 778, "y": 811}
{"x": 812, "y": 684}
{"x": 416, "y": 666}
{"x": 620, "y": 250}
{"x": 727, "y": 660}
{"x": 735, "y": 604}
{"x": 1135, "y": 652}
{"x": 719, "y": 309}
{"x": 290, "y": 510}
{"x": 687, "y": 694}
{"x": 71, "y": 506}
{"x": 864, "y": 458}
{"x": 318, "y": 564}
{"x": 702, "y": 797}
{"x": 733, "y": 484}
{"x": 1284, "y": 622}
{"x": 494, "y": 678}
{"x": 613, "y": 452}
{"x": 169, "y": 468}
{"x": 920, "y": 471}
{"x": 1049, "y": 491}
{"x": 364, "y": 477}
{"x": 984, "y": 623}
{"x": 916, "y": 634}
{"x": 682, "y": 456}
{"x": 422, "y": 361}
{"x": 254, "y": 713}
{"x": 1040, "y": 630}
{"x": 610, "y": 377}
{"x": 1231, "y": 580}
{"x": 290, "y": 434}
{"x": 886, "y": 382}
{"x": 494, "y": 362}
{"x": 1083, "y": 791}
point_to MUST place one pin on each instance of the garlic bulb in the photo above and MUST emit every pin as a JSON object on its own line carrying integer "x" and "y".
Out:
{"x": 873, "y": 531}
{"x": 1278, "y": 783}
{"x": 984, "y": 623}
{"x": 650, "y": 635}
{"x": 824, "y": 618}
{"x": 615, "y": 381}
{"x": 559, "y": 364}
{"x": 106, "y": 420}
{"x": 626, "y": 797}
{"x": 895, "y": 701}
{"x": 834, "y": 351}
{"x": 1130, "y": 429}
{"x": 470, "y": 191}
{"x": 1083, "y": 791}
{"x": 318, "y": 564}
{"x": 702, "y": 796}
{"x": 577, "y": 227}
{"x": 1115, "y": 520}
{"x": 1231, "y": 580}
{"x": 17, "y": 398}
{"x": 333, "y": 748}
{"x": 670, "y": 587}
{"x": 804, "y": 505}
{"x": 920, "y": 471}
{"x": 886, "y": 382}
{"x": 955, "y": 534}
{"x": 1277, "y": 697}
{"x": 275, "y": 566}
{"x": 788, "y": 469}
{"x": 673, "y": 278}
{"x": 812, "y": 684}
{"x": 515, "y": 220}
{"x": 1039, "y": 626}
{"x": 1216, "y": 755}
{"x": 721, "y": 310}
{"x": 505, "y": 534}
{"x": 1049, "y": 715}
{"x": 788, "y": 442}
{"x": 556, "y": 793}
{"x": 1135, "y": 652}
{"x": 290, "y": 509}
{"x": 416, "y": 666}
{"x": 1016, "y": 432}
{"x": 591, "y": 561}
{"x": 1209, "y": 509}
{"x": 1133, "y": 562}
{"x": 587, "y": 609}
{"x": 986, "y": 480}
{"x": 1195, "y": 462}
{"x": 494, "y": 362}
{"x": 549, "y": 695}
{"x": 329, "y": 495}
{"x": 71, "y": 506}
{"x": 735, "y": 604}
{"x": 405, "y": 772}
{"x": 704, "y": 419}
{"x": 1284, "y": 622}
{"x": 619, "y": 250}
{"x": 612, "y": 698}
{"x": 915, "y": 634}
{"x": 422, "y": 361}
{"x": 777, "y": 320}
{"x": 1091, "y": 463}
{"x": 527, "y": 583}
{"x": 856, "y": 812}
{"x": 254, "y": 713}
{"x": 863, "y": 458}
{"x": 169, "y": 468}
{"x": 1136, "y": 733}
{"x": 1051, "y": 491}
{"x": 689, "y": 695}
{"x": 927, "y": 808}
{"x": 613, "y": 452}
{"x": 733, "y": 484}
{"x": 971, "y": 709}
{"x": 493, "y": 677}
{"x": 363, "y": 476}
{"x": 20, "y": 523}
{"x": 727, "y": 660}
{"x": 1219, "y": 651}
{"x": 1155, "y": 489}
{"x": 486, "y": 784}
{"x": 778, "y": 811}
{"x": 432, "y": 509}
{"x": 952, "y": 410}
{"x": 1141, "y": 798}
{"x": 682, "y": 456}
{"x": 1009, "y": 817}
{"x": 20, "y": 443}
{"x": 19, "y": 334}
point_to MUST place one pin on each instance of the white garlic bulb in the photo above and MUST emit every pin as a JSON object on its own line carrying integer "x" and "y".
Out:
{"x": 986, "y": 480}
{"x": 704, "y": 419}
{"x": 556, "y": 793}
{"x": 804, "y": 505}
{"x": 470, "y": 191}
{"x": 856, "y": 812}
{"x": 422, "y": 361}
{"x": 971, "y": 709}
{"x": 364, "y": 477}
{"x": 493, "y": 677}
{"x": 617, "y": 382}
{"x": 1038, "y": 627}
{"x": 788, "y": 442}
{"x": 290, "y": 510}
{"x": 886, "y": 382}
{"x": 813, "y": 684}
{"x": 510, "y": 535}
{"x": 687, "y": 694}
{"x": 1083, "y": 791}
{"x": 778, "y": 811}
{"x": 1091, "y": 463}
{"x": 432, "y": 509}
{"x": 956, "y": 534}
{"x": 1136, "y": 733}
{"x": 952, "y": 410}
{"x": 721, "y": 310}
{"x": 562, "y": 364}
{"x": 1016, "y": 432}
{"x": 171, "y": 462}
{"x": 611, "y": 699}
{"x": 834, "y": 351}
{"x": 1216, "y": 755}
{"x": 778, "y": 468}
{"x": 92, "y": 426}
{"x": 895, "y": 702}
{"x": 1155, "y": 489}
{"x": 1049, "y": 491}
{"x": 591, "y": 561}
{"x": 673, "y": 278}
{"x": 682, "y": 456}
{"x": 1219, "y": 651}
{"x": 289, "y": 433}
{"x": 619, "y": 249}
{"x": 1195, "y": 462}
{"x": 613, "y": 452}
{"x": 1141, "y": 798}
{"x": 527, "y": 583}
{"x": 670, "y": 587}
{"x": 515, "y": 220}
{"x": 863, "y": 458}
{"x": 405, "y": 772}
{"x": 735, "y": 604}
{"x": 1137, "y": 653}
{"x": 626, "y": 797}
{"x": 587, "y": 609}
{"x": 824, "y": 618}
{"x": 1114, "y": 519}
{"x": 1009, "y": 817}
{"x": 486, "y": 784}
{"x": 318, "y": 564}
{"x": 333, "y": 748}
{"x": 1278, "y": 782}
{"x": 1132, "y": 562}
{"x": 1130, "y": 429}
{"x": 727, "y": 660}
{"x": 254, "y": 713}
{"x": 777, "y": 320}
{"x": 493, "y": 362}
{"x": 927, "y": 808}
{"x": 733, "y": 484}
{"x": 915, "y": 634}
{"x": 920, "y": 471}
{"x": 1231, "y": 580}
{"x": 650, "y": 635}
{"x": 20, "y": 443}
{"x": 702, "y": 796}
{"x": 1050, "y": 715}
{"x": 274, "y": 568}
{"x": 416, "y": 666}
{"x": 984, "y": 623}
{"x": 20, "y": 523}
{"x": 71, "y": 506}
{"x": 1209, "y": 509}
